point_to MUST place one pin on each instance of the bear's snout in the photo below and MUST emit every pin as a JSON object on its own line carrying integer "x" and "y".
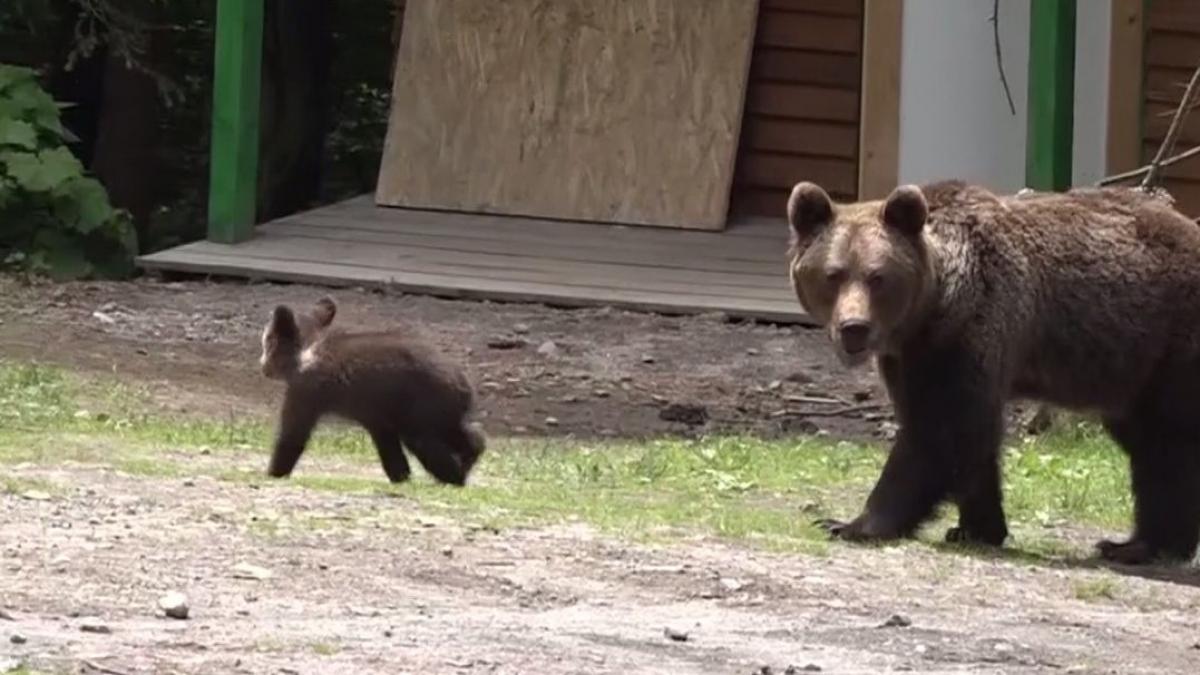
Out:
{"x": 855, "y": 336}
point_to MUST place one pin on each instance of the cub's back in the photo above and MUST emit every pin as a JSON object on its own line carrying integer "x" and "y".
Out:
{"x": 388, "y": 376}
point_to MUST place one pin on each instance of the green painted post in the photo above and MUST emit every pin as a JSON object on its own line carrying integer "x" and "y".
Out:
{"x": 237, "y": 64}
{"x": 1051, "y": 94}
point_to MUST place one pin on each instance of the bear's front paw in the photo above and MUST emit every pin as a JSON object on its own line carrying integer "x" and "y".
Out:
{"x": 858, "y": 529}
{"x": 1132, "y": 552}
{"x": 961, "y": 535}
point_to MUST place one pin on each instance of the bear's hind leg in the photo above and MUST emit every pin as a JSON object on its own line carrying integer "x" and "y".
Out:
{"x": 1164, "y": 462}
{"x": 391, "y": 454}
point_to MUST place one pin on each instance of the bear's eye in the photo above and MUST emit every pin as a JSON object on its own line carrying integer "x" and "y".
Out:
{"x": 835, "y": 275}
{"x": 875, "y": 280}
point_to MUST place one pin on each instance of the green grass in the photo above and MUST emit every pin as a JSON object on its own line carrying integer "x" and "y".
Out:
{"x": 730, "y": 487}
{"x": 1095, "y": 590}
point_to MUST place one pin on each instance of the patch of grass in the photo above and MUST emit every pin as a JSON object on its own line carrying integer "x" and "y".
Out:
{"x": 16, "y": 485}
{"x": 767, "y": 492}
{"x": 325, "y": 649}
{"x": 1095, "y": 590}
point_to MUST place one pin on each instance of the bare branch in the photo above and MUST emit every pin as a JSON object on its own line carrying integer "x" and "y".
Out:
{"x": 995, "y": 19}
{"x": 1146, "y": 169}
{"x": 1168, "y": 144}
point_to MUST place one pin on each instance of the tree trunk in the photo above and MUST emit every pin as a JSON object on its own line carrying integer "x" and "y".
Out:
{"x": 297, "y": 50}
{"x": 126, "y": 137}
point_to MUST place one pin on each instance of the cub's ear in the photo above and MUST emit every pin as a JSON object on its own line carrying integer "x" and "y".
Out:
{"x": 324, "y": 311}
{"x": 809, "y": 208}
{"x": 283, "y": 323}
{"x": 906, "y": 209}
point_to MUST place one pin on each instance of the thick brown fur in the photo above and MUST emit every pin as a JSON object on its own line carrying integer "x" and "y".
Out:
{"x": 1087, "y": 300}
{"x": 402, "y": 392}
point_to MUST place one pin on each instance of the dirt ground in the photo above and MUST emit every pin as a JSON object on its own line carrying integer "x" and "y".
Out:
{"x": 539, "y": 370}
{"x": 369, "y": 584}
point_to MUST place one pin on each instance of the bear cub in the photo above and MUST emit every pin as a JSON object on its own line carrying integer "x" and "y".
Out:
{"x": 1087, "y": 300}
{"x": 403, "y": 393}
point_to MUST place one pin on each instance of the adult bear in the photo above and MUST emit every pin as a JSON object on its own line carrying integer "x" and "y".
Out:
{"x": 1088, "y": 300}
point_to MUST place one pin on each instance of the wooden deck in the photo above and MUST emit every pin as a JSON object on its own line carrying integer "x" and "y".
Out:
{"x": 741, "y": 271}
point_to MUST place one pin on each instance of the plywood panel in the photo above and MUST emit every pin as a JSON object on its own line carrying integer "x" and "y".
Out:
{"x": 622, "y": 111}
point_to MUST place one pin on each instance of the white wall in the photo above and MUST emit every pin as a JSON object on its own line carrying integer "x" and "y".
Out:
{"x": 954, "y": 118}
{"x": 1093, "y": 30}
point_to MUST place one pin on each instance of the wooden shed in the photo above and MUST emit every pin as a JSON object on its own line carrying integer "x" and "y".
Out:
{"x": 1161, "y": 54}
{"x": 627, "y": 152}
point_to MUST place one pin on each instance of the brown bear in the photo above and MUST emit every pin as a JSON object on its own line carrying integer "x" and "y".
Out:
{"x": 401, "y": 391}
{"x": 1087, "y": 300}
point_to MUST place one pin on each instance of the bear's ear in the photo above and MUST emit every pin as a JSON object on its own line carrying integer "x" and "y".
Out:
{"x": 283, "y": 323}
{"x": 906, "y": 209}
{"x": 809, "y": 208}
{"x": 324, "y": 311}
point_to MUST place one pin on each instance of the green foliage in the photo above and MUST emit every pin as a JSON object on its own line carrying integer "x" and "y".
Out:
{"x": 54, "y": 219}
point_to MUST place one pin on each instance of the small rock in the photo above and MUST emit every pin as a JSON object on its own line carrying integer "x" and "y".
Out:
{"x": 810, "y": 668}
{"x": 896, "y": 621}
{"x": 448, "y": 552}
{"x": 189, "y": 482}
{"x": 601, "y": 393}
{"x": 103, "y": 318}
{"x": 774, "y": 385}
{"x": 691, "y": 415}
{"x": 174, "y": 605}
{"x": 548, "y": 349}
{"x": 506, "y": 343}
{"x": 36, "y": 495}
{"x": 800, "y": 377}
{"x": 733, "y": 585}
{"x": 675, "y": 634}
{"x": 521, "y": 328}
{"x": 5, "y": 615}
{"x": 551, "y": 421}
{"x": 94, "y": 625}
{"x": 862, "y": 395}
{"x": 647, "y": 358}
{"x": 752, "y": 352}
{"x": 18, "y": 639}
{"x": 248, "y": 571}
{"x": 888, "y": 430}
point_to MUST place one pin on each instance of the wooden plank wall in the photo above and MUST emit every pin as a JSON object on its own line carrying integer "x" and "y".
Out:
{"x": 1172, "y": 53}
{"x": 802, "y": 104}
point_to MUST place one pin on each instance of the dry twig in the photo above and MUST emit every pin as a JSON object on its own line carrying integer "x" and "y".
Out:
{"x": 103, "y": 669}
{"x": 995, "y": 19}
{"x": 1168, "y": 144}
{"x": 1146, "y": 169}
{"x": 1151, "y": 171}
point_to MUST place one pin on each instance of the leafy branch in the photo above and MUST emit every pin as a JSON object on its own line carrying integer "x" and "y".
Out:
{"x": 54, "y": 219}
